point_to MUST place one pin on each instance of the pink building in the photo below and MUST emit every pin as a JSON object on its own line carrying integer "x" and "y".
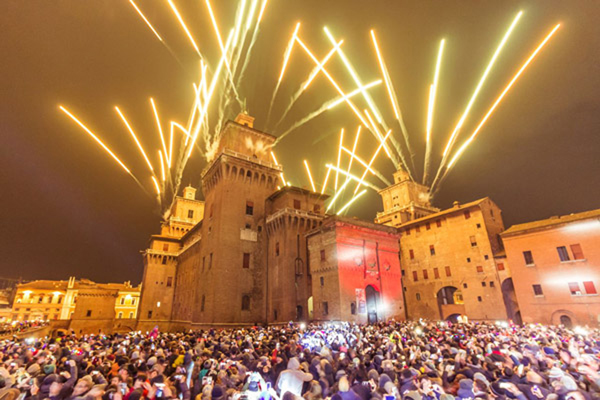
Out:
{"x": 555, "y": 265}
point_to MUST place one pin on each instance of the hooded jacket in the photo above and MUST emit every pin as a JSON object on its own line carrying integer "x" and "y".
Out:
{"x": 292, "y": 379}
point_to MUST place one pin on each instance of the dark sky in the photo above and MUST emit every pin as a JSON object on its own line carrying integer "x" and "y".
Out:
{"x": 68, "y": 209}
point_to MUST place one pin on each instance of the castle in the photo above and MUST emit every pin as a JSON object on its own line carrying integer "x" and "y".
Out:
{"x": 253, "y": 252}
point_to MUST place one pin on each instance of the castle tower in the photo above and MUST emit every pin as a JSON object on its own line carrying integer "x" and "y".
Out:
{"x": 228, "y": 264}
{"x": 160, "y": 260}
{"x": 404, "y": 201}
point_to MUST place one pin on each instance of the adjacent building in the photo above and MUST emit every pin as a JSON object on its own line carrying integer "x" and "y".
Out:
{"x": 46, "y": 300}
{"x": 556, "y": 261}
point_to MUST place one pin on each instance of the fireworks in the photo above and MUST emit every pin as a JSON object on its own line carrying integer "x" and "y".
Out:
{"x": 217, "y": 97}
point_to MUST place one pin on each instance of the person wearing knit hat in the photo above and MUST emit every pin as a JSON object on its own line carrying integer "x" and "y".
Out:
{"x": 465, "y": 389}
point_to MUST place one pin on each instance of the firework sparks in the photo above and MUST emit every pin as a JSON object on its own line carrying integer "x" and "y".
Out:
{"x": 312, "y": 183}
{"x": 479, "y": 85}
{"x": 162, "y": 166}
{"x": 499, "y": 99}
{"x": 348, "y": 204}
{"x": 337, "y": 194}
{"x": 281, "y": 173}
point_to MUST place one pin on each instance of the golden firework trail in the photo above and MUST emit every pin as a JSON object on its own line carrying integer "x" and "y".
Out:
{"x": 378, "y": 174}
{"x": 348, "y": 204}
{"x": 372, "y": 160}
{"x": 499, "y": 99}
{"x": 89, "y": 132}
{"x": 281, "y": 173}
{"x": 162, "y": 166}
{"x": 325, "y": 181}
{"x": 431, "y": 104}
{"x": 156, "y": 185}
{"x": 312, "y": 183}
{"x": 337, "y": 194}
{"x": 316, "y": 69}
{"x": 185, "y": 28}
{"x": 354, "y": 93}
{"x": 145, "y": 20}
{"x": 356, "y": 137}
{"x": 479, "y": 86}
{"x": 160, "y": 131}
{"x": 339, "y": 158}
{"x": 137, "y": 142}
{"x": 353, "y": 177}
{"x": 393, "y": 100}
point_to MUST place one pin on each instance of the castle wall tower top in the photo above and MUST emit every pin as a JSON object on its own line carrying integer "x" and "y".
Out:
{"x": 189, "y": 193}
{"x": 241, "y": 138}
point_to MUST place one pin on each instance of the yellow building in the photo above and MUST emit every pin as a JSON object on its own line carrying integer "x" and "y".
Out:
{"x": 46, "y": 300}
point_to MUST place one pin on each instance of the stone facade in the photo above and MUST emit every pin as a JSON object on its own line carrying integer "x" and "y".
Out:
{"x": 452, "y": 263}
{"x": 556, "y": 261}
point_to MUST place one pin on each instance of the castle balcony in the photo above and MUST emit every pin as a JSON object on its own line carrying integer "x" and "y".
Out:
{"x": 293, "y": 212}
{"x": 161, "y": 253}
{"x": 231, "y": 153}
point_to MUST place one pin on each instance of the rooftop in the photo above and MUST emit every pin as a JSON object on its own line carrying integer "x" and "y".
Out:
{"x": 457, "y": 207}
{"x": 551, "y": 222}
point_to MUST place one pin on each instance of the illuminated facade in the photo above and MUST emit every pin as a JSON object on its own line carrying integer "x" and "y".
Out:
{"x": 355, "y": 271}
{"x": 556, "y": 261}
{"x": 47, "y": 300}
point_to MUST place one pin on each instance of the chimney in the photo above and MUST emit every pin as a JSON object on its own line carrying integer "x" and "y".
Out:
{"x": 456, "y": 204}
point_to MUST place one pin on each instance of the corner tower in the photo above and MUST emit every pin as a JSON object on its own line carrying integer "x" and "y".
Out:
{"x": 404, "y": 201}
{"x": 231, "y": 259}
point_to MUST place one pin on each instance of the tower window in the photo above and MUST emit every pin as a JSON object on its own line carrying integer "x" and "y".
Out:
{"x": 169, "y": 281}
{"x": 246, "y": 262}
{"x": 277, "y": 249}
{"x": 425, "y": 274}
{"x": 166, "y": 247}
{"x": 500, "y": 267}
{"x": 563, "y": 254}
{"x": 448, "y": 272}
{"x": 479, "y": 298}
{"x": 436, "y": 273}
{"x": 249, "y": 208}
{"x": 483, "y": 283}
{"x": 432, "y": 249}
{"x": 317, "y": 210}
{"x": 297, "y": 204}
{"x": 467, "y": 214}
{"x": 473, "y": 241}
{"x": 322, "y": 281}
{"x": 164, "y": 260}
{"x": 438, "y": 223}
{"x": 537, "y": 290}
{"x": 190, "y": 214}
{"x": 411, "y": 254}
{"x": 528, "y": 257}
{"x": 415, "y": 276}
{"x": 122, "y": 300}
{"x": 88, "y": 313}
{"x": 325, "y": 308}
{"x": 150, "y": 314}
{"x": 479, "y": 269}
{"x": 353, "y": 308}
{"x": 322, "y": 255}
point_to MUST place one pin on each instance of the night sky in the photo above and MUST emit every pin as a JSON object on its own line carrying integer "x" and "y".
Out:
{"x": 68, "y": 209}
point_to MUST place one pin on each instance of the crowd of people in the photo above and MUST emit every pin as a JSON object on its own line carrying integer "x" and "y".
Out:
{"x": 417, "y": 360}
{"x": 20, "y": 326}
